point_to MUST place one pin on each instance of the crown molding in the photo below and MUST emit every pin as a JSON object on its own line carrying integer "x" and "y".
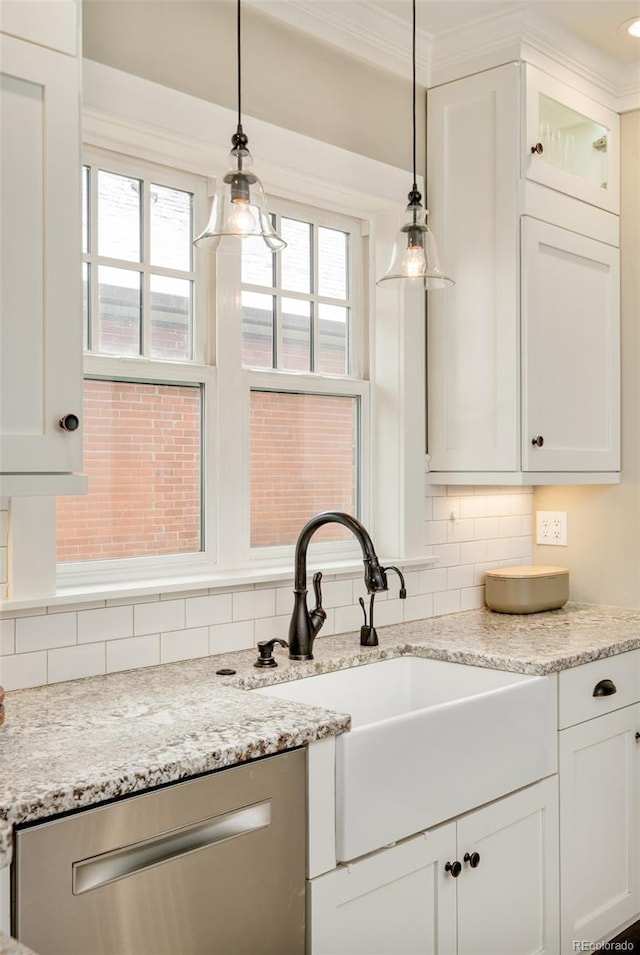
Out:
{"x": 362, "y": 29}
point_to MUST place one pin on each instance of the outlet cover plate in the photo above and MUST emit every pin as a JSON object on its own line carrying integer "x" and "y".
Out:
{"x": 551, "y": 528}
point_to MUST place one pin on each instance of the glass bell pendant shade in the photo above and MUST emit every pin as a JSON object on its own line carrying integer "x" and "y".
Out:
{"x": 239, "y": 209}
{"x": 415, "y": 257}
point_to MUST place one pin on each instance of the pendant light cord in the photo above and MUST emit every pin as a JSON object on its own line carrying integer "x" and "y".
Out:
{"x": 413, "y": 55}
{"x": 240, "y": 70}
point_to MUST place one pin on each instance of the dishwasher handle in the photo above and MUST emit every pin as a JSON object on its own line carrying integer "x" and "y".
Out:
{"x": 119, "y": 863}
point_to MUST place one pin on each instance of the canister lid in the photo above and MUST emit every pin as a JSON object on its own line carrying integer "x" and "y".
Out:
{"x": 537, "y": 570}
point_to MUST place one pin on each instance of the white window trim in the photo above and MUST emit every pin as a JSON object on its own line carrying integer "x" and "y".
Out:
{"x": 128, "y": 114}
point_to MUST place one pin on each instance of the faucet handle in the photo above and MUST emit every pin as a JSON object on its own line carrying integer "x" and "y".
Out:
{"x": 317, "y": 589}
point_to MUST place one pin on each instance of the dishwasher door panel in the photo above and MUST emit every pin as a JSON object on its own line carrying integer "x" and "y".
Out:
{"x": 210, "y": 866}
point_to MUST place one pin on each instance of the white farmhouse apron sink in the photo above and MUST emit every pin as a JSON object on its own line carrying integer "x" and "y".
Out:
{"x": 429, "y": 741}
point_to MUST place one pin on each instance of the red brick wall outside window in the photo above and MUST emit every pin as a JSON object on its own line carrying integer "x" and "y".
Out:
{"x": 142, "y": 456}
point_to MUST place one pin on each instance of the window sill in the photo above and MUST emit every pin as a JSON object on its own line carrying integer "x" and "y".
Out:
{"x": 223, "y": 579}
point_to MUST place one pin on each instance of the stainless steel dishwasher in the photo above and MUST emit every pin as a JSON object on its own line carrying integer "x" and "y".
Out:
{"x": 209, "y": 866}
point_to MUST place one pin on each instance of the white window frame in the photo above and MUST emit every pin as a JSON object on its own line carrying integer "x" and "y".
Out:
{"x": 144, "y": 370}
{"x": 127, "y": 114}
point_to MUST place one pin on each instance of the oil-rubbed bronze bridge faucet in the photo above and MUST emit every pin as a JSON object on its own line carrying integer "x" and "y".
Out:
{"x": 305, "y": 625}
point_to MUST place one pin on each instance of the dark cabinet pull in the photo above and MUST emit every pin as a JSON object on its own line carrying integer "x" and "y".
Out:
{"x": 637, "y": 735}
{"x": 455, "y": 868}
{"x": 473, "y": 859}
{"x": 70, "y": 422}
{"x": 605, "y": 688}
{"x": 538, "y": 148}
{"x": 538, "y": 441}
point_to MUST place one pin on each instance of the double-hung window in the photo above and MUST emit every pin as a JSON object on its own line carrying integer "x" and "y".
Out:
{"x": 147, "y": 390}
{"x": 191, "y": 465}
{"x": 302, "y": 332}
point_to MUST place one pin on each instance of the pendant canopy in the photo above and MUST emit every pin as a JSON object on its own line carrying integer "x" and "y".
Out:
{"x": 239, "y": 209}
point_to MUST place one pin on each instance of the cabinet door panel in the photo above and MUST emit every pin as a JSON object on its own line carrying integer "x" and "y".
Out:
{"x": 571, "y": 350}
{"x": 580, "y": 140}
{"x": 508, "y": 905}
{"x": 472, "y": 329}
{"x": 600, "y": 825}
{"x": 397, "y": 900}
{"x": 40, "y": 306}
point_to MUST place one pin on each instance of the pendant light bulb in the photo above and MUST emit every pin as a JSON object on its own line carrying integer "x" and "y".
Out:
{"x": 239, "y": 208}
{"x": 414, "y": 258}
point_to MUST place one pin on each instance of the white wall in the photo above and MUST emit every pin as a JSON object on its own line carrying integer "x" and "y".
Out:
{"x": 289, "y": 78}
{"x": 603, "y": 555}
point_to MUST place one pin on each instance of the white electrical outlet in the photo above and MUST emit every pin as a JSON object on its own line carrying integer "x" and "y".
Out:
{"x": 551, "y": 528}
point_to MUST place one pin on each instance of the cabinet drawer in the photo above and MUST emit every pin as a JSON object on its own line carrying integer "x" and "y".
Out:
{"x": 617, "y": 679}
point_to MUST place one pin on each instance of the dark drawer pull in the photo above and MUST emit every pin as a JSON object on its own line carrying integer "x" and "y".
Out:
{"x": 605, "y": 688}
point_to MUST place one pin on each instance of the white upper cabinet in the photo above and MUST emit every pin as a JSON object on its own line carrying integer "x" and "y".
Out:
{"x": 572, "y": 144}
{"x": 525, "y": 346}
{"x": 40, "y": 303}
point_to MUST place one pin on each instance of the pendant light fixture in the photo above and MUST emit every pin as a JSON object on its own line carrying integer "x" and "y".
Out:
{"x": 414, "y": 258}
{"x": 239, "y": 209}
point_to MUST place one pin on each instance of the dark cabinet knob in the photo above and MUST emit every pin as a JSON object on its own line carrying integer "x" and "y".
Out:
{"x": 538, "y": 149}
{"x": 473, "y": 859}
{"x": 637, "y": 735}
{"x": 605, "y": 688}
{"x": 70, "y": 422}
{"x": 455, "y": 868}
{"x": 538, "y": 441}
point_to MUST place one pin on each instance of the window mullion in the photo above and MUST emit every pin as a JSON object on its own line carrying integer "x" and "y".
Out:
{"x": 315, "y": 316}
{"x": 94, "y": 300}
{"x": 145, "y": 245}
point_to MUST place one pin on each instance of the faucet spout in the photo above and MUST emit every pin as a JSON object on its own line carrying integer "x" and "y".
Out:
{"x": 305, "y": 625}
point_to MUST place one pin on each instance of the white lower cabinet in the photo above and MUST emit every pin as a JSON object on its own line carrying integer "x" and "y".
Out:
{"x": 600, "y": 825}
{"x": 403, "y": 900}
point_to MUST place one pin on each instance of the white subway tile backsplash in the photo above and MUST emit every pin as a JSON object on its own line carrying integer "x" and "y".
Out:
{"x": 133, "y": 652}
{"x": 448, "y": 554}
{"x": 106, "y": 623}
{"x": 387, "y": 612}
{"x": 458, "y": 577}
{"x": 184, "y": 644}
{"x": 252, "y": 604}
{"x": 45, "y": 632}
{"x": 458, "y": 531}
{"x": 432, "y": 580}
{"x": 509, "y": 526}
{"x": 447, "y": 602}
{"x": 226, "y": 637}
{"x": 473, "y": 551}
{"x": 496, "y": 505}
{"x": 498, "y": 549}
{"x": 72, "y": 663}
{"x": 23, "y": 670}
{"x": 7, "y": 637}
{"x": 520, "y": 503}
{"x": 69, "y": 608}
{"x": 474, "y": 506}
{"x": 485, "y": 528}
{"x": 472, "y": 598}
{"x": 205, "y": 611}
{"x": 160, "y": 616}
{"x": 266, "y": 628}
{"x": 348, "y": 618}
{"x": 418, "y": 607}
{"x": 445, "y": 507}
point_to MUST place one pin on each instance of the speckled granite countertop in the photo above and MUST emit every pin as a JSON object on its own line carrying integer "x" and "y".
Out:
{"x": 72, "y": 745}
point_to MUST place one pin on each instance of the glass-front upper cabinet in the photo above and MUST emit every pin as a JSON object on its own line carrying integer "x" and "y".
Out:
{"x": 571, "y": 141}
